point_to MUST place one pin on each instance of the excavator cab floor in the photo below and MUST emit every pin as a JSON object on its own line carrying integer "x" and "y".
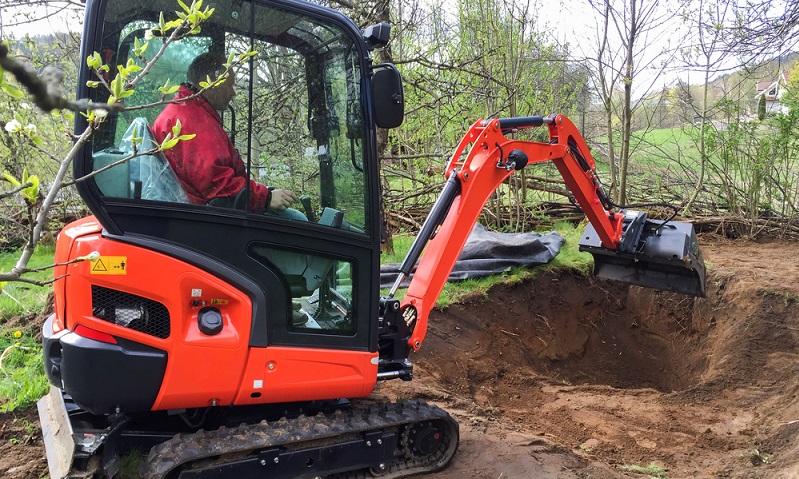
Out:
{"x": 666, "y": 258}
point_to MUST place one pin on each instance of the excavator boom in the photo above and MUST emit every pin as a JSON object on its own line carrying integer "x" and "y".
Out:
{"x": 625, "y": 244}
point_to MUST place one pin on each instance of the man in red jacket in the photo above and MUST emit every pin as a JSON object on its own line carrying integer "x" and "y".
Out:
{"x": 208, "y": 166}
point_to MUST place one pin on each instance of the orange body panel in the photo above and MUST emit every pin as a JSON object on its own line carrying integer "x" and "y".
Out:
{"x": 64, "y": 243}
{"x": 283, "y": 374}
{"x": 204, "y": 370}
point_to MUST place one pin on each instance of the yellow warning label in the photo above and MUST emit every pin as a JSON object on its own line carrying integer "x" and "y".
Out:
{"x": 109, "y": 265}
{"x": 219, "y": 301}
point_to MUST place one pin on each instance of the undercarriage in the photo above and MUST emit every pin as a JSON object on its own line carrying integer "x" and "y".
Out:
{"x": 332, "y": 439}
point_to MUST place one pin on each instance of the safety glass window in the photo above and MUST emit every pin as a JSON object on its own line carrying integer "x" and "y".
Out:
{"x": 321, "y": 290}
{"x": 290, "y": 137}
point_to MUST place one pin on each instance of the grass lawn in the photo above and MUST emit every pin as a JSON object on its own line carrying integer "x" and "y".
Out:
{"x": 22, "y": 379}
{"x": 661, "y": 147}
{"x": 20, "y": 299}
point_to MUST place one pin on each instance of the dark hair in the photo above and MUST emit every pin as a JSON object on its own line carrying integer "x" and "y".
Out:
{"x": 205, "y": 65}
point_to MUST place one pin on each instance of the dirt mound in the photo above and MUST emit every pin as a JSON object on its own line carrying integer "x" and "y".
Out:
{"x": 626, "y": 376}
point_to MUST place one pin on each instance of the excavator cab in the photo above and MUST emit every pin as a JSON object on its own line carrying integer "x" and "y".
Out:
{"x": 303, "y": 119}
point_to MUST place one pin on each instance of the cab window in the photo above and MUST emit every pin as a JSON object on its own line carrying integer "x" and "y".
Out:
{"x": 296, "y": 120}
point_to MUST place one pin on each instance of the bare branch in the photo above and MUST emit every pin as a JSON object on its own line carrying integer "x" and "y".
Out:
{"x": 44, "y": 90}
{"x": 8, "y": 194}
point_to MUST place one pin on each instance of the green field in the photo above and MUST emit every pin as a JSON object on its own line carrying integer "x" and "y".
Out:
{"x": 20, "y": 299}
{"x": 22, "y": 380}
{"x": 660, "y": 148}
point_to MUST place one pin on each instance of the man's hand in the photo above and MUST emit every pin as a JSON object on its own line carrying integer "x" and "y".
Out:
{"x": 281, "y": 199}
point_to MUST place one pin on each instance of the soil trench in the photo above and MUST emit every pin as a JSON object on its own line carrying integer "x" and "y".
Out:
{"x": 569, "y": 377}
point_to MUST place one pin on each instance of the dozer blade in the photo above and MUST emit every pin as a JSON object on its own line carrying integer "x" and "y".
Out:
{"x": 665, "y": 257}
{"x": 57, "y": 433}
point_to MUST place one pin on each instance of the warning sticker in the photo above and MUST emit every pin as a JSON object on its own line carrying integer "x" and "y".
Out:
{"x": 109, "y": 265}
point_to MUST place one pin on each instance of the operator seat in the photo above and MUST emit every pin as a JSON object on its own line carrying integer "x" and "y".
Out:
{"x": 146, "y": 177}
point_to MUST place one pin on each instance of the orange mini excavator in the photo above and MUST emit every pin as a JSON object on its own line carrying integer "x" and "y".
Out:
{"x": 222, "y": 342}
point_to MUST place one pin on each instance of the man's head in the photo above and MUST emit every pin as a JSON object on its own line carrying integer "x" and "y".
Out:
{"x": 211, "y": 65}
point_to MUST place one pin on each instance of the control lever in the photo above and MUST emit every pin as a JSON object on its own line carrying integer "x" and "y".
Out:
{"x": 306, "y": 205}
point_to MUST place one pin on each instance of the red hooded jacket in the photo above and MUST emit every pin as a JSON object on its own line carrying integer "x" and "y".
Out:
{"x": 208, "y": 166}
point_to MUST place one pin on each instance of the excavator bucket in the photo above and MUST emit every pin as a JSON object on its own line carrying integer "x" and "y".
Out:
{"x": 665, "y": 256}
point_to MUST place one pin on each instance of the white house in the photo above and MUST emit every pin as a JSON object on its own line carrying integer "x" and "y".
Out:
{"x": 773, "y": 90}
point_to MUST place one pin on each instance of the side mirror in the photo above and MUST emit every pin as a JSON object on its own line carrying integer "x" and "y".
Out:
{"x": 388, "y": 98}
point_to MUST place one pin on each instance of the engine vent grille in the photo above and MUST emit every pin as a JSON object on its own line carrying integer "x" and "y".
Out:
{"x": 130, "y": 311}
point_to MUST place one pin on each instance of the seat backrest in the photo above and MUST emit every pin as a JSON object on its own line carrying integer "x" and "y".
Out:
{"x": 151, "y": 177}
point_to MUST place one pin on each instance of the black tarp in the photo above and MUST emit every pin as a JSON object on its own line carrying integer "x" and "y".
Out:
{"x": 488, "y": 252}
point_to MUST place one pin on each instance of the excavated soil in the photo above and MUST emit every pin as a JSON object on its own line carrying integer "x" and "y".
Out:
{"x": 568, "y": 377}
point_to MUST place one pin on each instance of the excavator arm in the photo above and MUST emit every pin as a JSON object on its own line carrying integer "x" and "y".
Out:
{"x": 625, "y": 236}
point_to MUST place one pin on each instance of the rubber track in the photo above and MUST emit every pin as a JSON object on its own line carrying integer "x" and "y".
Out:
{"x": 188, "y": 447}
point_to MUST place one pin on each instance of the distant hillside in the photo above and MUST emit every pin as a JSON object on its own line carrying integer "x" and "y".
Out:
{"x": 742, "y": 82}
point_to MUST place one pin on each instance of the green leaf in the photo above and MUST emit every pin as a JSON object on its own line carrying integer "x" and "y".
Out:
{"x": 173, "y": 24}
{"x": 126, "y": 94}
{"x": 11, "y": 90}
{"x": 139, "y": 48}
{"x": 117, "y": 85}
{"x": 168, "y": 89}
{"x": 176, "y": 128}
{"x": 14, "y": 182}
{"x": 187, "y": 137}
{"x": 94, "y": 61}
{"x": 32, "y": 192}
{"x": 132, "y": 67}
{"x": 168, "y": 144}
{"x": 92, "y": 84}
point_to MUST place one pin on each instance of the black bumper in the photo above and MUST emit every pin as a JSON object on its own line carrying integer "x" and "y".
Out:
{"x": 103, "y": 378}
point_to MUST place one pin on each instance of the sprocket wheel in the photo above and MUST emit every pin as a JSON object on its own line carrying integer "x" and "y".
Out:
{"x": 423, "y": 438}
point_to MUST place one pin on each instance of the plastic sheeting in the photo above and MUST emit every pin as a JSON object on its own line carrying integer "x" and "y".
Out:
{"x": 488, "y": 252}
{"x": 158, "y": 181}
